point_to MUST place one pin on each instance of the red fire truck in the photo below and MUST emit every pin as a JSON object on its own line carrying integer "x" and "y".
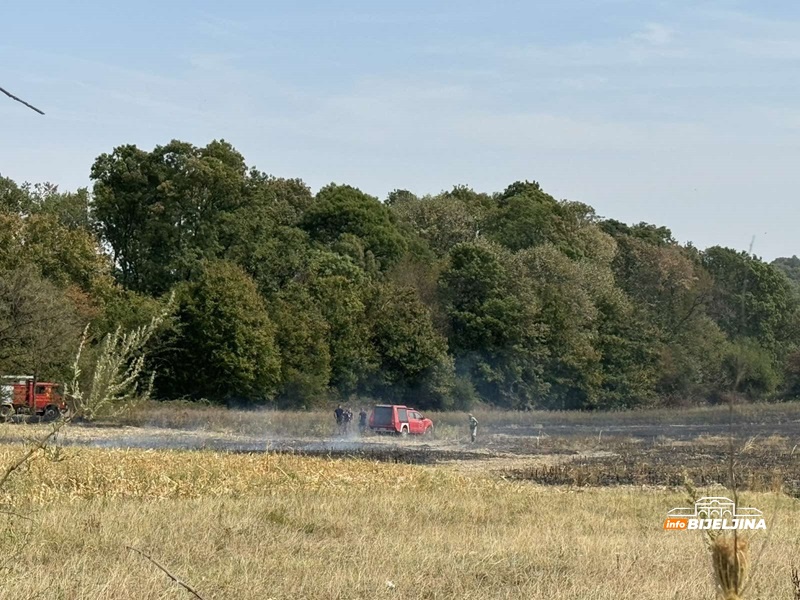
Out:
{"x": 22, "y": 394}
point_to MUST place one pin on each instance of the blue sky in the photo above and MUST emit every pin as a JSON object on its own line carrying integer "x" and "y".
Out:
{"x": 679, "y": 113}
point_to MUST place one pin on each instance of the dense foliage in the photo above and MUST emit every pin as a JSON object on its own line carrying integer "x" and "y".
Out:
{"x": 287, "y": 297}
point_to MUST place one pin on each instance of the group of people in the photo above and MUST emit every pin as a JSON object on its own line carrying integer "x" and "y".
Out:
{"x": 344, "y": 417}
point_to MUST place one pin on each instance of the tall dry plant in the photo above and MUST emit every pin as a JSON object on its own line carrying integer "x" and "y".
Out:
{"x": 730, "y": 561}
{"x": 116, "y": 372}
{"x": 730, "y": 558}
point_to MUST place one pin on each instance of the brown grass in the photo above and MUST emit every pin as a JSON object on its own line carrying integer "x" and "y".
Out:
{"x": 267, "y": 526}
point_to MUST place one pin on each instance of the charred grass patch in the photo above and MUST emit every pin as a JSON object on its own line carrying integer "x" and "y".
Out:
{"x": 764, "y": 464}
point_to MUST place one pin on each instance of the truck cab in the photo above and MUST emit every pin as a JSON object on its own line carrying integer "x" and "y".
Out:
{"x": 399, "y": 420}
{"x": 21, "y": 394}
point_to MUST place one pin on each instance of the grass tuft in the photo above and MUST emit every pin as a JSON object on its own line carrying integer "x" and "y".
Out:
{"x": 730, "y": 561}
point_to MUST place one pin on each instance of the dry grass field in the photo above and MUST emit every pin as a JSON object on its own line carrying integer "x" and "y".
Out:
{"x": 261, "y": 525}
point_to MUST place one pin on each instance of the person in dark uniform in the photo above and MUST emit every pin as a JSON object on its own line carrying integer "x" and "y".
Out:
{"x": 347, "y": 418}
{"x": 339, "y": 414}
{"x": 362, "y": 421}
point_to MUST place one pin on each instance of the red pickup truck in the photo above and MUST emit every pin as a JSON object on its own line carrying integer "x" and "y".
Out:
{"x": 400, "y": 420}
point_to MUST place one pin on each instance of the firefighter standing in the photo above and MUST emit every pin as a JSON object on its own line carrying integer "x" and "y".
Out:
{"x": 473, "y": 428}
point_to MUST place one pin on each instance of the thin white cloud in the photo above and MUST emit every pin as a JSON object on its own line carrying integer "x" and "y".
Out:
{"x": 768, "y": 49}
{"x": 222, "y": 28}
{"x": 582, "y": 83}
{"x": 608, "y": 52}
{"x": 537, "y": 131}
{"x": 654, "y": 34}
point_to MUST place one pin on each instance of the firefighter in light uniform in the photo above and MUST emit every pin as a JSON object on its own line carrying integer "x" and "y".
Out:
{"x": 473, "y": 428}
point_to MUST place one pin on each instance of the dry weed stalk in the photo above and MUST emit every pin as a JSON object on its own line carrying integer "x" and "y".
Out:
{"x": 730, "y": 561}
{"x": 21, "y": 101}
{"x": 183, "y": 584}
{"x": 29, "y": 454}
{"x": 796, "y": 583}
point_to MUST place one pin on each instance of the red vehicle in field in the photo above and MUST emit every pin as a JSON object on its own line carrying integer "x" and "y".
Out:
{"x": 400, "y": 420}
{"x": 21, "y": 395}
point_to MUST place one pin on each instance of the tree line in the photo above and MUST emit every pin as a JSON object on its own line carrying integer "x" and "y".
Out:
{"x": 290, "y": 298}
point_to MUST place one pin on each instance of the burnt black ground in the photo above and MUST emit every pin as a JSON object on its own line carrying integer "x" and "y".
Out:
{"x": 398, "y": 451}
{"x": 603, "y": 449}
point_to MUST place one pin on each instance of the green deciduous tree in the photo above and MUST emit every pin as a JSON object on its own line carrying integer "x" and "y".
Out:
{"x": 790, "y": 267}
{"x": 412, "y": 354}
{"x": 750, "y": 298}
{"x": 442, "y": 221}
{"x": 13, "y": 199}
{"x": 750, "y": 369}
{"x": 63, "y": 255}
{"x": 525, "y": 216}
{"x": 223, "y": 344}
{"x": 628, "y": 350}
{"x": 338, "y": 210}
{"x": 163, "y": 212}
{"x": 566, "y": 291}
{"x": 302, "y": 339}
{"x": 39, "y": 326}
{"x": 514, "y": 298}
{"x": 339, "y": 287}
{"x": 495, "y": 331}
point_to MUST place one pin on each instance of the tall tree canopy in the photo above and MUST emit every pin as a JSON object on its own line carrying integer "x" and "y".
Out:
{"x": 294, "y": 298}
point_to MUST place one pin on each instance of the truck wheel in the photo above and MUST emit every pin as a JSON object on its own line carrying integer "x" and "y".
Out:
{"x": 403, "y": 431}
{"x": 429, "y": 432}
{"x": 51, "y": 413}
{"x": 6, "y": 411}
